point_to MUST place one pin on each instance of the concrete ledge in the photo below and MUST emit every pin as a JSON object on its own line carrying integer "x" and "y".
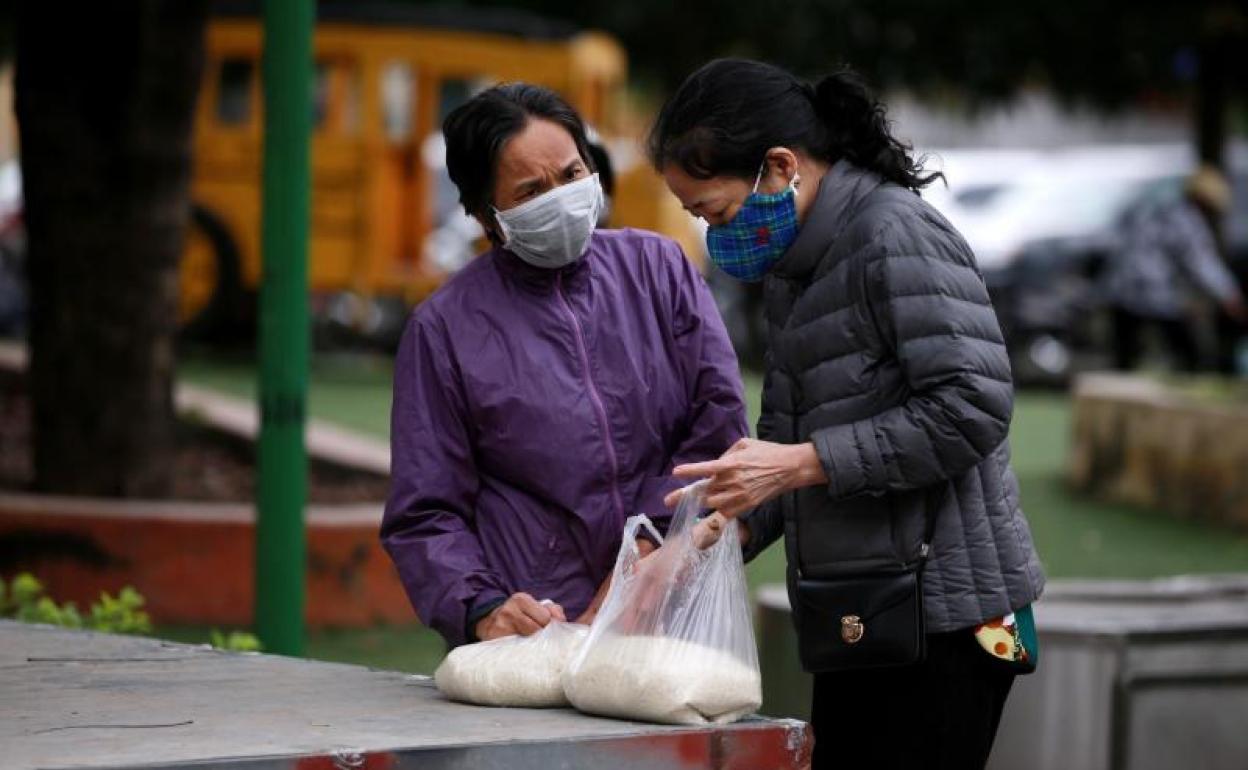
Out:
{"x": 88, "y": 700}
{"x": 324, "y": 440}
{"x": 239, "y": 417}
{"x": 1139, "y": 441}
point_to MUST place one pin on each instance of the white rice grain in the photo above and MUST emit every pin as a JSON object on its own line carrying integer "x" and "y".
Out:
{"x": 659, "y": 679}
{"x": 513, "y": 671}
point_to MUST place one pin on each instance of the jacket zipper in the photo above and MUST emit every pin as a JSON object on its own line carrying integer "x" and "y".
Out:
{"x": 594, "y": 397}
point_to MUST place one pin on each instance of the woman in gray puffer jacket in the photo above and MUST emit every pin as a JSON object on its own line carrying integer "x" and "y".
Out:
{"x": 887, "y": 398}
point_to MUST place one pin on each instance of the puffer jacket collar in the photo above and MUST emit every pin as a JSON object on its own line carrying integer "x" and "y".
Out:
{"x": 840, "y": 192}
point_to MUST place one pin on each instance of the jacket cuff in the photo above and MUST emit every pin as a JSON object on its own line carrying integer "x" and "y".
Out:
{"x": 760, "y": 524}
{"x": 485, "y": 602}
{"x": 750, "y": 549}
{"x": 851, "y": 459}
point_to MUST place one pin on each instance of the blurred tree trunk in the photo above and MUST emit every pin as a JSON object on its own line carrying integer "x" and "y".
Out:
{"x": 105, "y": 96}
{"x": 1213, "y": 86}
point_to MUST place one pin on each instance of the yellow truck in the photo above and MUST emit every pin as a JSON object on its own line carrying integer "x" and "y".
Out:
{"x": 385, "y": 77}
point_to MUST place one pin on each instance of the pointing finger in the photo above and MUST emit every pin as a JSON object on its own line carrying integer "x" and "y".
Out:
{"x": 698, "y": 470}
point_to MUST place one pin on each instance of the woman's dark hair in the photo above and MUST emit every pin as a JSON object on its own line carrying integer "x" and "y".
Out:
{"x": 726, "y": 116}
{"x": 477, "y": 130}
{"x": 602, "y": 162}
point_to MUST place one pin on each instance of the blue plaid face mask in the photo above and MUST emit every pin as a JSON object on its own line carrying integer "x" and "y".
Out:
{"x": 758, "y": 234}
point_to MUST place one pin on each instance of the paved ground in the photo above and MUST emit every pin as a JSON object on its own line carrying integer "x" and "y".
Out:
{"x": 81, "y": 699}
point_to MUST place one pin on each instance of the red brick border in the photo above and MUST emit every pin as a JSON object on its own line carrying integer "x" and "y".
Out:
{"x": 194, "y": 561}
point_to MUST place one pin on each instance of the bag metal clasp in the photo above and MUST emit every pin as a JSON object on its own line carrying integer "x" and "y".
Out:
{"x": 852, "y": 629}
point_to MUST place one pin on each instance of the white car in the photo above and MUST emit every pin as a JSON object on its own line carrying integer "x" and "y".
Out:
{"x": 975, "y": 180}
{"x": 1073, "y": 193}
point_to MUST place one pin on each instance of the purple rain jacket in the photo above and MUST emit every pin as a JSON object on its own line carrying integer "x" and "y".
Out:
{"x": 535, "y": 410}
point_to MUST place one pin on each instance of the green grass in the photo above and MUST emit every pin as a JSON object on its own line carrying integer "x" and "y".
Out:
{"x": 1076, "y": 536}
{"x": 1081, "y": 537}
{"x": 348, "y": 389}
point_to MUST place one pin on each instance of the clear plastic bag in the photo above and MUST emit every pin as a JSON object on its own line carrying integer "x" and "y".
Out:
{"x": 523, "y": 671}
{"x": 673, "y": 641}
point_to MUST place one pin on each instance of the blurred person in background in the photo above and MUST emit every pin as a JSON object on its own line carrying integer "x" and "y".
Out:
{"x": 13, "y": 290}
{"x": 886, "y": 401}
{"x": 1165, "y": 256}
{"x": 544, "y": 393}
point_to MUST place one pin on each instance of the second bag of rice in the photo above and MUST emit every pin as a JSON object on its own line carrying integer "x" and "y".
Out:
{"x": 523, "y": 671}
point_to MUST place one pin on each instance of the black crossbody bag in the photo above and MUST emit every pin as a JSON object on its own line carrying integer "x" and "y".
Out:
{"x": 868, "y": 620}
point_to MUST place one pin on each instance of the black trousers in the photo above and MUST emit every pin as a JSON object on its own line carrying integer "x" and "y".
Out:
{"x": 1229, "y": 332}
{"x": 1128, "y": 345}
{"x": 942, "y": 713}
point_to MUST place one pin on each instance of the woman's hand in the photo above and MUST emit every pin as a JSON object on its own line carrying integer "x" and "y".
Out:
{"x": 591, "y": 612}
{"x": 751, "y": 473}
{"x": 650, "y": 578}
{"x": 1237, "y": 309}
{"x": 743, "y": 532}
{"x": 707, "y": 531}
{"x": 644, "y": 548}
{"x": 521, "y": 614}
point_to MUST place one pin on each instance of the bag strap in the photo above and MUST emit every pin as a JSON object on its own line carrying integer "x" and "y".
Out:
{"x": 936, "y": 496}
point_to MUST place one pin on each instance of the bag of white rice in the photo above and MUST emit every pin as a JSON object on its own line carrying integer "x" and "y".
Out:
{"x": 673, "y": 641}
{"x": 521, "y": 671}
{"x": 661, "y": 679}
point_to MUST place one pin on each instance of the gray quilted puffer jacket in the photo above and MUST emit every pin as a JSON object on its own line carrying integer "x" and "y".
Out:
{"x": 885, "y": 352}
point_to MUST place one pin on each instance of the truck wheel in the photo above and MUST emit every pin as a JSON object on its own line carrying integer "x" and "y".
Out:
{"x": 209, "y": 285}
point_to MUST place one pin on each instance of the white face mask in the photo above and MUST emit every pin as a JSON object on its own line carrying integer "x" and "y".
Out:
{"x": 553, "y": 229}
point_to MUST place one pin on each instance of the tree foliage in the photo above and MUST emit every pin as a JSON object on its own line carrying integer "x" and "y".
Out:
{"x": 1106, "y": 52}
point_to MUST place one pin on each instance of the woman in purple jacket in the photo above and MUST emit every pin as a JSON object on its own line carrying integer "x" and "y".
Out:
{"x": 546, "y": 391}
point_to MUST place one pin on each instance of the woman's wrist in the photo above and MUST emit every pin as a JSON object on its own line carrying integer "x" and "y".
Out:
{"x": 743, "y": 532}
{"x": 807, "y": 469}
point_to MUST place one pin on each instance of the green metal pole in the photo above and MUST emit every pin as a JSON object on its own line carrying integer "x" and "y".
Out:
{"x": 281, "y": 552}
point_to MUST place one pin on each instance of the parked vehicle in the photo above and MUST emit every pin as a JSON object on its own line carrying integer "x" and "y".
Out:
{"x": 975, "y": 181}
{"x": 1040, "y": 224}
{"x": 385, "y": 75}
{"x": 1041, "y": 248}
